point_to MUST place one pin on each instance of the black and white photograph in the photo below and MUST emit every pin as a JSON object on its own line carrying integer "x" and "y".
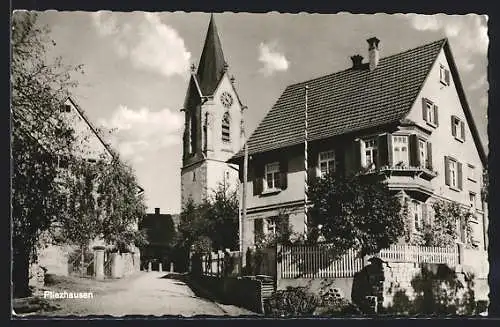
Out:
{"x": 237, "y": 164}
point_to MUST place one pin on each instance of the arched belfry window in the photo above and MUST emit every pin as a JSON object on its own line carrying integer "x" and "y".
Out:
{"x": 226, "y": 136}
{"x": 193, "y": 135}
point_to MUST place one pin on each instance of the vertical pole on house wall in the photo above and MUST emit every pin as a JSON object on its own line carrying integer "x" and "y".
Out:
{"x": 244, "y": 198}
{"x": 306, "y": 186}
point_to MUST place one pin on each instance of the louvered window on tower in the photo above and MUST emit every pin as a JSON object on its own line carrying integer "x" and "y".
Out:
{"x": 226, "y": 128}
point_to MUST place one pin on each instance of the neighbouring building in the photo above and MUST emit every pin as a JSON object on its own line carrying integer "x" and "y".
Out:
{"x": 405, "y": 114}
{"x": 90, "y": 146}
{"x": 160, "y": 233}
{"x": 213, "y": 124}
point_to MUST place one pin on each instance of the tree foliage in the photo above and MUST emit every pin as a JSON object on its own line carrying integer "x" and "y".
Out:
{"x": 38, "y": 87}
{"x": 449, "y": 219}
{"x": 356, "y": 212}
{"x": 212, "y": 224}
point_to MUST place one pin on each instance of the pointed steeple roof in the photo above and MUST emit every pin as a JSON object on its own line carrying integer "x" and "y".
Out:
{"x": 212, "y": 62}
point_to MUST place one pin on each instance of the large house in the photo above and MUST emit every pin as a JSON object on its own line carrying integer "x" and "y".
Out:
{"x": 405, "y": 115}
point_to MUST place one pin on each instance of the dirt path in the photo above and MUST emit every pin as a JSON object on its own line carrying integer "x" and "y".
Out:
{"x": 143, "y": 294}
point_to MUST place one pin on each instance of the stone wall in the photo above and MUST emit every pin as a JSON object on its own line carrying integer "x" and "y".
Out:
{"x": 124, "y": 264}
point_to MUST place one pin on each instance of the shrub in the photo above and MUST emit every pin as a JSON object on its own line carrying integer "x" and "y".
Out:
{"x": 294, "y": 301}
{"x": 333, "y": 304}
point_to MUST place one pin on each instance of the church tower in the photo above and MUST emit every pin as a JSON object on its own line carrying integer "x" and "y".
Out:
{"x": 213, "y": 124}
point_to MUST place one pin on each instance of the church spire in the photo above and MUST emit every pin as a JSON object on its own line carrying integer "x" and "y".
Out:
{"x": 212, "y": 63}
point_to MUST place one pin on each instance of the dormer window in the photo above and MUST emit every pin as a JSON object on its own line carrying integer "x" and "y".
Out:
{"x": 444, "y": 75}
{"x": 226, "y": 135}
{"x": 65, "y": 108}
{"x": 430, "y": 112}
{"x": 458, "y": 128}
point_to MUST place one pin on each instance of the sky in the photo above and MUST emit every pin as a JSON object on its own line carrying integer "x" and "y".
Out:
{"x": 136, "y": 69}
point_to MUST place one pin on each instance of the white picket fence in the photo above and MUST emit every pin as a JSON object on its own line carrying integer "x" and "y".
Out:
{"x": 317, "y": 262}
{"x": 420, "y": 254}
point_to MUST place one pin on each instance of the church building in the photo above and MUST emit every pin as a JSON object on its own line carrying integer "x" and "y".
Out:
{"x": 213, "y": 124}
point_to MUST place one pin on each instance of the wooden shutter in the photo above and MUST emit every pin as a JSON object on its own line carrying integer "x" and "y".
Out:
{"x": 358, "y": 149}
{"x": 429, "y": 156}
{"x": 447, "y": 170}
{"x": 384, "y": 152}
{"x": 447, "y": 76}
{"x": 312, "y": 166}
{"x": 462, "y": 129}
{"x": 258, "y": 228}
{"x": 424, "y": 109}
{"x": 284, "y": 174}
{"x": 436, "y": 111}
{"x": 414, "y": 151}
{"x": 453, "y": 127}
{"x": 459, "y": 175}
{"x": 258, "y": 179}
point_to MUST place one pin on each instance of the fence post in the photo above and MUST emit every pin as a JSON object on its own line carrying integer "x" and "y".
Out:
{"x": 150, "y": 266}
{"x": 99, "y": 262}
{"x": 160, "y": 267}
{"x": 278, "y": 261}
{"x": 220, "y": 262}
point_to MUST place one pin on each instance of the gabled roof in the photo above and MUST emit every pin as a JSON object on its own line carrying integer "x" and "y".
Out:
{"x": 352, "y": 100}
{"x": 211, "y": 66}
{"x": 91, "y": 126}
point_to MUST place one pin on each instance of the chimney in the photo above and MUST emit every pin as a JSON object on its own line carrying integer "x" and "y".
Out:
{"x": 373, "y": 53}
{"x": 357, "y": 61}
{"x": 157, "y": 211}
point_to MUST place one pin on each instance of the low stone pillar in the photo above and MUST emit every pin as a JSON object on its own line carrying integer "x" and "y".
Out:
{"x": 160, "y": 267}
{"x": 116, "y": 265}
{"x": 99, "y": 262}
{"x": 171, "y": 267}
{"x": 150, "y": 266}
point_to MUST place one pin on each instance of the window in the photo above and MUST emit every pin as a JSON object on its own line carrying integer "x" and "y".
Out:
{"x": 457, "y": 128}
{"x": 471, "y": 173}
{"x": 422, "y": 150}
{"x": 272, "y": 173}
{"x": 472, "y": 200}
{"x": 400, "y": 147}
{"x": 453, "y": 173}
{"x": 444, "y": 75}
{"x": 271, "y": 226}
{"x": 417, "y": 214}
{"x": 62, "y": 163}
{"x": 194, "y": 176}
{"x": 193, "y": 134}
{"x": 430, "y": 112}
{"x": 65, "y": 108}
{"x": 371, "y": 152}
{"x": 226, "y": 128}
{"x": 326, "y": 162}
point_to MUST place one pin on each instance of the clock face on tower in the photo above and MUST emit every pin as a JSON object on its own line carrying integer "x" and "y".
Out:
{"x": 226, "y": 99}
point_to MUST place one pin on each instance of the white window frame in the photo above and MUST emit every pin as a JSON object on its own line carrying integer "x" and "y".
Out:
{"x": 273, "y": 169}
{"x": 396, "y": 144}
{"x": 442, "y": 75}
{"x": 328, "y": 158}
{"x": 371, "y": 147}
{"x": 429, "y": 112}
{"x": 417, "y": 213}
{"x": 453, "y": 172}
{"x": 457, "y": 122}
{"x": 471, "y": 172}
{"x": 270, "y": 226}
{"x": 422, "y": 152}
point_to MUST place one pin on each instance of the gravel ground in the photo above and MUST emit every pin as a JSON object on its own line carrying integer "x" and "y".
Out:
{"x": 145, "y": 293}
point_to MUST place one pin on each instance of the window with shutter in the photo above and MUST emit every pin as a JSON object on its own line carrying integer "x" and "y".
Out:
{"x": 272, "y": 176}
{"x": 371, "y": 153}
{"x": 327, "y": 162}
{"x": 444, "y": 75}
{"x": 457, "y": 128}
{"x": 400, "y": 150}
{"x": 429, "y": 112}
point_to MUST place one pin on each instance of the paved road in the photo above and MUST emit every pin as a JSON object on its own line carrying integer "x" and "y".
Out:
{"x": 148, "y": 293}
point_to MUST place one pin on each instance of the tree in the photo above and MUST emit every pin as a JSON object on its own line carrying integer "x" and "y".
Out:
{"x": 357, "y": 212}
{"x": 38, "y": 88}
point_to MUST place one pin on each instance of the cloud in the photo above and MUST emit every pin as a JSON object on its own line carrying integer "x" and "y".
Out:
{"x": 467, "y": 33}
{"x": 148, "y": 43}
{"x": 136, "y": 132}
{"x": 272, "y": 59}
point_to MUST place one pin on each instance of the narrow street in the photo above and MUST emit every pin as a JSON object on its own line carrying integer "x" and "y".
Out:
{"x": 146, "y": 293}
